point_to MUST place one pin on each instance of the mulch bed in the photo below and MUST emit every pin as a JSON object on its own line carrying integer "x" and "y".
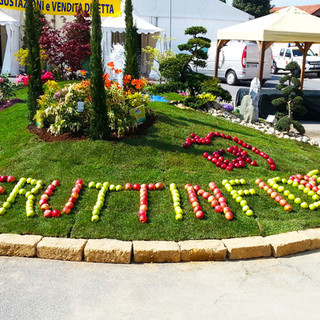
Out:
{"x": 46, "y": 136}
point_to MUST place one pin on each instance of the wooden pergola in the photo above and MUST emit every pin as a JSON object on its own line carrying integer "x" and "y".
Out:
{"x": 287, "y": 25}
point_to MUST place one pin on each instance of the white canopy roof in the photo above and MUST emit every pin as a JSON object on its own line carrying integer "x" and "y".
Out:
{"x": 119, "y": 25}
{"x": 287, "y": 25}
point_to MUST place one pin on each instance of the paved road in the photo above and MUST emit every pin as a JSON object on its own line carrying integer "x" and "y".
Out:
{"x": 284, "y": 288}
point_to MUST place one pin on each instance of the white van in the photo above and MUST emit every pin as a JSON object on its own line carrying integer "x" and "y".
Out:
{"x": 238, "y": 60}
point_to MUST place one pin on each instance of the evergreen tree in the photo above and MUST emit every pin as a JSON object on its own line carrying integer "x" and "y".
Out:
{"x": 99, "y": 126}
{"x": 257, "y": 8}
{"x": 32, "y": 36}
{"x": 132, "y": 44}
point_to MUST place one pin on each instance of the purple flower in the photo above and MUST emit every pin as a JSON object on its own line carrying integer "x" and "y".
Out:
{"x": 227, "y": 107}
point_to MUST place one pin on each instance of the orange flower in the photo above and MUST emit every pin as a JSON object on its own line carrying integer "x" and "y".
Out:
{"x": 127, "y": 79}
{"x": 117, "y": 71}
{"x": 110, "y": 64}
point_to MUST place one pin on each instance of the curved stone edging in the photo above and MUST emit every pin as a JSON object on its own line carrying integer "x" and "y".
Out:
{"x": 117, "y": 251}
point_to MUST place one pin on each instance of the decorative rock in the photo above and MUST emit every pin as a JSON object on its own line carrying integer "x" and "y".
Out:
{"x": 305, "y": 139}
{"x": 299, "y": 139}
{"x": 286, "y": 136}
{"x": 288, "y": 243}
{"x": 314, "y": 236}
{"x": 108, "y": 250}
{"x": 61, "y": 248}
{"x": 202, "y": 250}
{"x": 18, "y": 245}
{"x": 247, "y": 248}
{"x": 156, "y": 251}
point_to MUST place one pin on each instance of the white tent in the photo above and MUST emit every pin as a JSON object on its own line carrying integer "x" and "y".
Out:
{"x": 111, "y": 25}
{"x": 177, "y": 15}
{"x": 287, "y": 25}
{"x": 10, "y": 64}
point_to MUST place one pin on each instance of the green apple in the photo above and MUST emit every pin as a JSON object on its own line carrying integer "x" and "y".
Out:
{"x": 106, "y": 184}
{"x": 275, "y": 186}
{"x": 173, "y": 186}
{"x": 301, "y": 187}
{"x": 240, "y": 192}
{"x": 243, "y": 203}
{"x": 235, "y": 195}
{"x": 249, "y": 213}
{"x": 178, "y": 210}
{"x": 246, "y": 192}
{"x": 290, "y": 182}
{"x": 91, "y": 184}
{"x": 6, "y": 205}
{"x": 242, "y": 181}
{"x": 224, "y": 182}
{"x": 112, "y": 187}
{"x": 281, "y": 189}
{"x": 291, "y": 196}
{"x": 304, "y": 205}
{"x": 98, "y": 185}
{"x": 284, "y": 180}
{"x": 311, "y": 193}
{"x": 95, "y": 218}
{"x": 118, "y": 187}
{"x": 33, "y": 182}
{"x": 297, "y": 200}
{"x": 229, "y": 189}
{"x": 233, "y": 192}
{"x": 312, "y": 207}
{"x": 232, "y": 182}
{"x": 2, "y": 211}
{"x": 29, "y": 180}
{"x": 252, "y": 191}
{"x": 306, "y": 190}
{"x": 30, "y": 214}
{"x": 245, "y": 208}
{"x": 272, "y": 182}
{"x": 95, "y": 212}
{"x": 176, "y": 199}
{"x": 315, "y": 197}
{"x": 286, "y": 192}
{"x": 295, "y": 183}
{"x": 31, "y": 197}
{"x": 176, "y": 204}
{"x": 178, "y": 216}
{"x": 239, "y": 199}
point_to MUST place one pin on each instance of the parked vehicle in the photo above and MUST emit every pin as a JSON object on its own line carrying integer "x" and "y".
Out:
{"x": 238, "y": 60}
{"x": 284, "y": 55}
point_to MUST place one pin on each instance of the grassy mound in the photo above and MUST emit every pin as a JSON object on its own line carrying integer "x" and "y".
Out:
{"x": 156, "y": 156}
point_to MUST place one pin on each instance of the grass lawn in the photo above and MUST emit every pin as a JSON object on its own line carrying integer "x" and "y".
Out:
{"x": 157, "y": 156}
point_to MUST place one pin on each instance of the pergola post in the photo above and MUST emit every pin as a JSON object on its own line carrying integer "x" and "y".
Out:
{"x": 304, "y": 51}
{"x": 263, "y": 46}
{"x": 220, "y": 43}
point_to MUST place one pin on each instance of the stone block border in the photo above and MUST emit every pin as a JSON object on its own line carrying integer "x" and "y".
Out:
{"x": 116, "y": 251}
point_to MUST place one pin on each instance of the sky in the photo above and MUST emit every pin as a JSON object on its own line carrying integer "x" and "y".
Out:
{"x": 280, "y": 3}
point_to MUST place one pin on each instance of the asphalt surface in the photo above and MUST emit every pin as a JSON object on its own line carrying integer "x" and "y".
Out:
{"x": 283, "y": 288}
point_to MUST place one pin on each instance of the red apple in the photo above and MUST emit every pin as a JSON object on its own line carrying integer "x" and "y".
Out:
{"x": 218, "y": 209}
{"x": 72, "y": 199}
{"x": 42, "y": 201}
{"x": 194, "y": 204}
{"x": 142, "y": 212}
{"x": 144, "y": 207}
{"x": 69, "y": 204}
{"x": 159, "y": 186}
{"x": 11, "y": 179}
{"x": 44, "y": 196}
{"x": 75, "y": 195}
{"x": 1, "y": 190}
{"x": 48, "y": 192}
{"x": 45, "y": 207}
{"x": 197, "y": 208}
{"x": 283, "y": 202}
{"x": 199, "y": 215}
{"x": 151, "y": 186}
{"x": 214, "y": 203}
{"x": 3, "y": 178}
{"x": 56, "y": 213}
{"x": 47, "y": 214}
{"x": 273, "y": 167}
{"x": 76, "y": 190}
{"x": 56, "y": 183}
{"x": 51, "y": 187}
{"x": 143, "y": 218}
{"x": 288, "y": 207}
{"x": 66, "y": 210}
{"x": 143, "y": 202}
{"x": 128, "y": 186}
{"x": 196, "y": 188}
{"x": 79, "y": 181}
{"x": 228, "y": 215}
{"x": 136, "y": 186}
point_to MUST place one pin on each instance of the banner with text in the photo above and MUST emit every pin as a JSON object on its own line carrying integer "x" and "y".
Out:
{"x": 108, "y": 8}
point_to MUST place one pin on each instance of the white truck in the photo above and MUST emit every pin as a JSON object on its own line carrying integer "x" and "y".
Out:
{"x": 282, "y": 56}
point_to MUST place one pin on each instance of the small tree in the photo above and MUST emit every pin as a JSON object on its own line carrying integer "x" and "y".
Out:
{"x": 257, "y": 8}
{"x": 131, "y": 45}
{"x": 99, "y": 125}
{"x": 196, "y": 46}
{"x": 292, "y": 100}
{"x": 76, "y": 46}
{"x": 32, "y": 35}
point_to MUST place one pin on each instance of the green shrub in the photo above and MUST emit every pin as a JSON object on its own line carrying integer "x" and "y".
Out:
{"x": 6, "y": 88}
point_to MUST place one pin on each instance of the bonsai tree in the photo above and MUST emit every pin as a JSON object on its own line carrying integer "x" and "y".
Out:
{"x": 178, "y": 68}
{"x": 292, "y": 100}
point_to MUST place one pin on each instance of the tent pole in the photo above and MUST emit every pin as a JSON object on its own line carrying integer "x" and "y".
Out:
{"x": 220, "y": 43}
{"x": 262, "y": 48}
{"x": 304, "y": 51}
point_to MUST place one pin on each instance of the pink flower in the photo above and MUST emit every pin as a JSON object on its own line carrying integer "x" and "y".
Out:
{"x": 1, "y": 80}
